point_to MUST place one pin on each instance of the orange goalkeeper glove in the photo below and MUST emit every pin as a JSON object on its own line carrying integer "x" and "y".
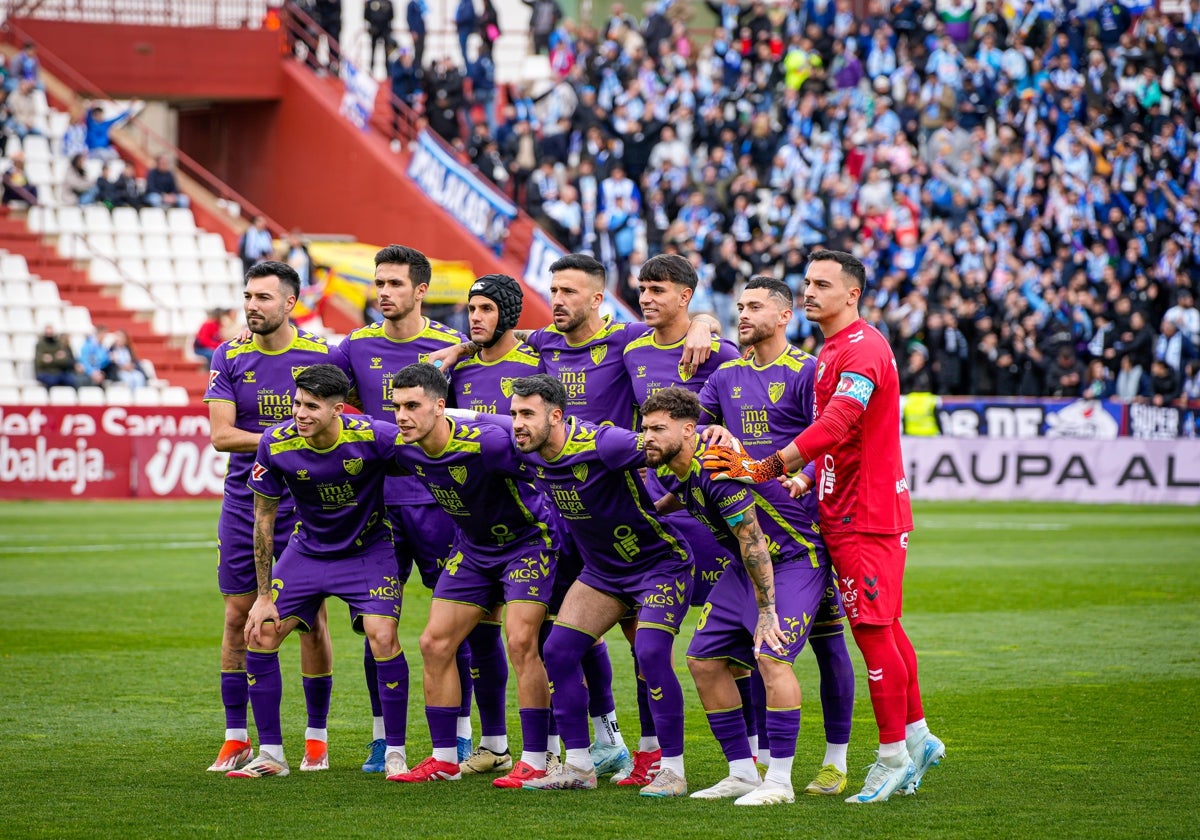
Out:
{"x": 728, "y": 464}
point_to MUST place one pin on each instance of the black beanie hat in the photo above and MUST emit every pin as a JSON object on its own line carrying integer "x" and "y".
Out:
{"x": 505, "y": 292}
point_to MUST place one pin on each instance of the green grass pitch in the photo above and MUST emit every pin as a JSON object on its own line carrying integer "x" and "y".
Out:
{"x": 1060, "y": 661}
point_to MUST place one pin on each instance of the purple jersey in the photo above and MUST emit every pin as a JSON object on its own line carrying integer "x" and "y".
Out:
{"x": 260, "y": 384}
{"x": 593, "y": 373}
{"x": 477, "y": 481}
{"x": 486, "y": 387}
{"x": 338, "y": 491}
{"x": 652, "y": 366}
{"x": 371, "y": 359}
{"x": 595, "y": 485}
{"x": 721, "y": 504}
{"x": 764, "y": 406}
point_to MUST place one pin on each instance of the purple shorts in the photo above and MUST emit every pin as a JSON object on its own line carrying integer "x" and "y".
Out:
{"x": 423, "y": 534}
{"x": 830, "y": 614}
{"x": 522, "y": 572}
{"x": 366, "y": 582}
{"x": 727, "y": 621}
{"x": 660, "y": 593}
{"x": 235, "y": 547}
{"x": 711, "y": 557}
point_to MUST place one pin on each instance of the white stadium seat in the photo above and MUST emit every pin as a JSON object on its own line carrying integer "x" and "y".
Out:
{"x": 8, "y": 372}
{"x": 45, "y": 293}
{"x": 97, "y": 219}
{"x": 154, "y": 220}
{"x": 91, "y": 395}
{"x": 181, "y": 220}
{"x": 175, "y": 395}
{"x": 126, "y": 220}
{"x": 146, "y": 396}
{"x": 70, "y": 220}
{"x": 17, "y": 293}
{"x": 118, "y": 393}
{"x": 34, "y": 395}
{"x": 10, "y": 395}
{"x": 63, "y": 395}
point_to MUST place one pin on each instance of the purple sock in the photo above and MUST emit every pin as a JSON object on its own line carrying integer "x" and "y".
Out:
{"x": 645, "y": 717}
{"x": 266, "y": 693}
{"x": 749, "y": 718}
{"x": 443, "y": 721}
{"x": 543, "y": 634}
{"x": 463, "y": 660}
{"x": 758, "y": 694}
{"x": 489, "y": 670}
{"x": 393, "y": 698}
{"x": 317, "y": 691}
{"x": 597, "y": 670}
{"x": 663, "y": 688}
{"x": 535, "y": 728}
{"x": 837, "y": 685}
{"x": 729, "y": 729}
{"x": 372, "y": 679}
{"x": 234, "y": 695}
{"x": 564, "y": 656}
{"x": 784, "y": 726}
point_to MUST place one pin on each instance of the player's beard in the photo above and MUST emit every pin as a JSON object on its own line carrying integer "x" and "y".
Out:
{"x": 270, "y": 322}
{"x": 401, "y": 313}
{"x": 663, "y": 455}
{"x": 575, "y": 321}
{"x": 760, "y": 332}
{"x": 537, "y": 437}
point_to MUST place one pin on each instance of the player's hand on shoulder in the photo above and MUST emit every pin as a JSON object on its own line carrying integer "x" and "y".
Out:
{"x": 447, "y": 357}
{"x": 718, "y": 435}
{"x": 697, "y": 347}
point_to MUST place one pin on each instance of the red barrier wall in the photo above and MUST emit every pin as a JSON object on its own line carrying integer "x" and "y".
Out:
{"x": 162, "y": 62}
{"x": 60, "y": 452}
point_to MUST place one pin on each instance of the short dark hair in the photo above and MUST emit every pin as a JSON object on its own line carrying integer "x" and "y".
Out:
{"x": 324, "y": 381}
{"x": 851, "y": 265}
{"x": 274, "y": 268}
{"x": 775, "y": 287}
{"x": 670, "y": 267}
{"x": 424, "y": 376}
{"x": 679, "y": 403}
{"x": 541, "y": 385}
{"x": 590, "y": 266}
{"x": 419, "y": 269}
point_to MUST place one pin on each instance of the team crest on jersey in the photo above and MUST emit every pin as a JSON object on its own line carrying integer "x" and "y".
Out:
{"x": 248, "y": 377}
{"x": 775, "y": 391}
{"x": 737, "y": 392}
{"x": 298, "y": 369}
{"x": 376, "y": 363}
{"x": 506, "y": 385}
{"x": 820, "y": 371}
{"x": 353, "y": 465}
{"x": 302, "y": 475}
{"x": 698, "y": 496}
{"x": 459, "y": 474}
{"x": 685, "y": 373}
{"x": 580, "y": 471}
{"x": 598, "y": 353}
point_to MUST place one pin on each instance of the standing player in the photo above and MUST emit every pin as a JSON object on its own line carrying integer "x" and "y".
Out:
{"x": 333, "y": 466}
{"x": 370, "y": 357}
{"x": 765, "y": 400}
{"x": 249, "y": 390}
{"x": 482, "y": 383}
{"x": 866, "y": 513}
{"x": 653, "y": 361}
{"x": 630, "y": 559}
{"x": 788, "y": 579}
{"x": 503, "y": 553}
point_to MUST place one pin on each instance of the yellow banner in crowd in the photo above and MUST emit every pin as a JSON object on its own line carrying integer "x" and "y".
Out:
{"x": 349, "y": 273}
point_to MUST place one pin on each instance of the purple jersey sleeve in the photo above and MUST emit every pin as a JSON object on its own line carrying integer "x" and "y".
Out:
{"x": 265, "y": 480}
{"x": 620, "y": 449}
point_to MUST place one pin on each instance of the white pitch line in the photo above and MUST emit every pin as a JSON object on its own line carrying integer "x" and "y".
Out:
{"x": 99, "y": 549}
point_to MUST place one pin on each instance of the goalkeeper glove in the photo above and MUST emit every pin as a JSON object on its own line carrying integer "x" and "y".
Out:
{"x": 727, "y": 464}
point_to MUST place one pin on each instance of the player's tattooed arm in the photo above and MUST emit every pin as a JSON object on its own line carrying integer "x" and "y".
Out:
{"x": 522, "y": 335}
{"x": 697, "y": 346}
{"x": 757, "y": 560}
{"x": 264, "y": 541}
{"x": 263, "y": 609}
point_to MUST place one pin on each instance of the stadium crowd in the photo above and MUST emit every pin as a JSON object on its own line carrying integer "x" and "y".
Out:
{"x": 1021, "y": 178}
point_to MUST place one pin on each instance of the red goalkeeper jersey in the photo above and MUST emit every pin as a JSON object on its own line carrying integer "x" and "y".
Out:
{"x": 855, "y": 441}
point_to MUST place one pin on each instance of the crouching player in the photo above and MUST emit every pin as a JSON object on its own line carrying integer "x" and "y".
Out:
{"x": 781, "y": 579}
{"x": 334, "y": 466}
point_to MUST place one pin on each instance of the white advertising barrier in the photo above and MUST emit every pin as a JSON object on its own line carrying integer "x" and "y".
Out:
{"x": 1124, "y": 470}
